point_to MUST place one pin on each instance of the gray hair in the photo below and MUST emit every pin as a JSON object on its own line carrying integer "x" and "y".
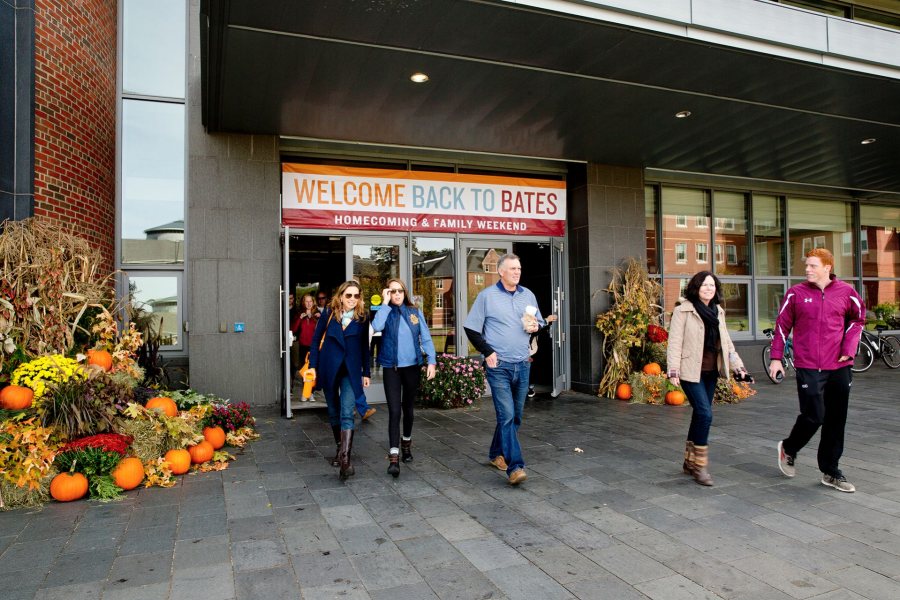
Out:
{"x": 505, "y": 258}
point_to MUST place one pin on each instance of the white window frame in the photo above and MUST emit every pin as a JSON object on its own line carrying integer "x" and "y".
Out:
{"x": 703, "y": 222}
{"x": 702, "y": 251}
{"x": 680, "y": 220}
{"x": 479, "y": 279}
{"x": 720, "y": 253}
{"x": 731, "y": 254}
{"x": 439, "y": 301}
{"x": 439, "y": 283}
{"x": 681, "y": 248}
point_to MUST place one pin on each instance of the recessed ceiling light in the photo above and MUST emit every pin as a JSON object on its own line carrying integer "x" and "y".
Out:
{"x": 682, "y": 114}
{"x": 868, "y": 141}
{"x": 419, "y": 77}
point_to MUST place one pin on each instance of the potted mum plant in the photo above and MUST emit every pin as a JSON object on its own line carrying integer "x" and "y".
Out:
{"x": 458, "y": 381}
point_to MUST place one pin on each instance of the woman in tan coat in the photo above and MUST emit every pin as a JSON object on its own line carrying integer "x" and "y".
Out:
{"x": 699, "y": 350}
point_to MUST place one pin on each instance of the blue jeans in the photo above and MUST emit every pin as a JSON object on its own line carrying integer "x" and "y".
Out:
{"x": 509, "y": 388}
{"x": 700, "y": 395}
{"x": 340, "y": 409}
{"x": 362, "y": 406}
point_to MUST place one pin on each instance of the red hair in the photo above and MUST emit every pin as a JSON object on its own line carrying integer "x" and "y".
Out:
{"x": 822, "y": 254}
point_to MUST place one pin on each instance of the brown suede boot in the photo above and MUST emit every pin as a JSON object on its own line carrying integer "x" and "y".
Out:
{"x": 688, "y": 465}
{"x": 701, "y": 461}
{"x": 406, "y": 450}
{"x": 344, "y": 455}
{"x": 336, "y": 431}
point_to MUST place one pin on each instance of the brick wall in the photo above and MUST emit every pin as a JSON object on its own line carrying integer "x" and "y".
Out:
{"x": 75, "y": 112}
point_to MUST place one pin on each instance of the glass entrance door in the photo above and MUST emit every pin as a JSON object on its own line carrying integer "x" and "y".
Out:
{"x": 560, "y": 309}
{"x": 478, "y": 270}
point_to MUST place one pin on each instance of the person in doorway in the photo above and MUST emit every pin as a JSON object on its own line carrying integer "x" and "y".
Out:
{"x": 339, "y": 358}
{"x": 308, "y": 318}
{"x": 496, "y": 326}
{"x": 827, "y": 317}
{"x": 405, "y": 337}
{"x": 321, "y": 301}
{"x": 294, "y": 326}
{"x": 698, "y": 353}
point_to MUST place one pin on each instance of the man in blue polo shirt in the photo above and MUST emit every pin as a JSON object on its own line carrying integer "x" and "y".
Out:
{"x": 495, "y": 327}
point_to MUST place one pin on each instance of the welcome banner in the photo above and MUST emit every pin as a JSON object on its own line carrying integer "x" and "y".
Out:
{"x": 328, "y": 197}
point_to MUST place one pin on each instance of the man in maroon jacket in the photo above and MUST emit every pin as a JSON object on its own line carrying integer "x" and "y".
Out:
{"x": 827, "y": 318}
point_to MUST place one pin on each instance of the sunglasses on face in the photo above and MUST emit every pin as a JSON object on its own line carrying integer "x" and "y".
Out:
{"x": 395, "y": 290}
{"x": 348, "y": 295}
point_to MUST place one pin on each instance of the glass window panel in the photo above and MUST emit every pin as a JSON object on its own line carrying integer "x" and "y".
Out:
{"x": 819, "y": 224}
{"x": 434, "y": 288}
{"x": 768, "y": 235}
{"x": 152, "y": 183}
{"x": 153, "y": 53}
{"x": 159, "y": 297}
{"x": 481, "y": 272}
{"x": 768, "y": 301}
{"x": 880, "y": 240}
{"x": 731, "y": 230}
{"x": 650, "y": 226}
{"x": 736, "y": 302}
{"x": 679, "y": 206}
{"x": 673, "y": 291}
{"x": 882, "y": 303}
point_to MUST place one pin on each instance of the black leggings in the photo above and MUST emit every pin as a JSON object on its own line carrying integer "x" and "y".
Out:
{"x": 401, "y": 386}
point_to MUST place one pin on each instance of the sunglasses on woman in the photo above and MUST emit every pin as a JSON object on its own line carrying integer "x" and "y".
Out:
{"x": 395, "y": 290}
{"x": 348, "y": 295}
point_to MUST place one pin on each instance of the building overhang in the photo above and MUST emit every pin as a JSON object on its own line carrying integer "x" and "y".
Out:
{"x": 515, "y": 80}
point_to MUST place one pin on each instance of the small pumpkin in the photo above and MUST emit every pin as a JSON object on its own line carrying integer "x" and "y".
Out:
{"x": 675, "y": 398}
{"x": 201, "y": 453}
{"x": 652, "y": 369}
{"x": 164, "y": 404}
{"x": 215, "y": 436}
{"x": 179, "y": 461}
{"x": 66, "y": 487}
{"x": 100, "y": 358}
{"x": 16, "y": 397}
{"x": 623, "y": 391}
{"x": 129, "y": 473}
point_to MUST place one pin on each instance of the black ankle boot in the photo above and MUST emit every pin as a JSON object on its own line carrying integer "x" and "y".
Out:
{"x": 336, "y": 430}
{"x": 394, "y": 465}
{"x": 405, "y": 451}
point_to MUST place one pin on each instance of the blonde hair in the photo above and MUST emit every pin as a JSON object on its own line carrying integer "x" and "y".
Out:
{"x": 359, "y": 313}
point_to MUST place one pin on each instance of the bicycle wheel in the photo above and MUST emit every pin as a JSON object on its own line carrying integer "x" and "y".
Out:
{"x": 890, "y": 351}
{"x": 863, "y": 359}
{"x": 766, "y": 352}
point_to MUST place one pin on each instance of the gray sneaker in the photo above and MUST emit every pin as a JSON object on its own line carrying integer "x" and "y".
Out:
{"x": 786, "y": 462}
{"x": 839, "y": 483}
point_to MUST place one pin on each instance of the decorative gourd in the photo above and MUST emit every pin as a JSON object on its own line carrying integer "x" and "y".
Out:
{"x": 100, "y": 358}
{"x": 201, "y": 453}
{"x": 623, "y": 391}
{"x": 652, "y": 369}
{"x": 16, "y": 397}
{"x": 675, "y": 398}
{"x": 166, "y": 405}
{"x": 179, "y": 461}
{"x": 66, "y": 487}
{"x": 129, "y": 473}
{"x": 215, "y": 436}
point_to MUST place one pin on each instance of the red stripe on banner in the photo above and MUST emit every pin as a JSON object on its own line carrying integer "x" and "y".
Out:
{"x": 333, "y": 219}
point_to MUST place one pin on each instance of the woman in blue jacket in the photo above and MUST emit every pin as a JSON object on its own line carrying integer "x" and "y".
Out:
{"x": 404, "y": 338}
{"x": 339, "y": 357}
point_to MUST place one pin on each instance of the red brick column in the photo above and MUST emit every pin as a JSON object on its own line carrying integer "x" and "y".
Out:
{"x": 75, "y": 117}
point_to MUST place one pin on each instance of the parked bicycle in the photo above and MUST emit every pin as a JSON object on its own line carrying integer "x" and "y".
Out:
{"x": 885, "y": 346}
{"x": 787, "y": 360}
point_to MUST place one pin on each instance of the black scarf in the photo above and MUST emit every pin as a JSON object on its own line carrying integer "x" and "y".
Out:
{"x": 710, "y": 315}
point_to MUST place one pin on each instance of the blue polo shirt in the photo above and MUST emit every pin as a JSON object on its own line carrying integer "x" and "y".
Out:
{"x": 497, "y": 314}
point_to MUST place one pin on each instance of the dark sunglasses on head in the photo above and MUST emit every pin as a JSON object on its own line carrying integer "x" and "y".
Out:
{"x": 348, "y": 295}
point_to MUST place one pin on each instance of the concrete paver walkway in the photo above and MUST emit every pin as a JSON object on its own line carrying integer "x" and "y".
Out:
{"x": 618, "y": 520}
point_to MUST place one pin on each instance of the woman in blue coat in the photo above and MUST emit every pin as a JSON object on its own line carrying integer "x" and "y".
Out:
{"x": 404, "y": 339}
{"x": 339, "y": 357}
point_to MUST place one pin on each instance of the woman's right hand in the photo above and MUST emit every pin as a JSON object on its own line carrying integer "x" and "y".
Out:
{"x": 673, "y": 377}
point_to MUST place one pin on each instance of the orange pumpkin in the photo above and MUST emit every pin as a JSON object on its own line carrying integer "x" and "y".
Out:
{"x": 166, "y": 405}
{"x": 16, "y": 397}
{"x": 100, "y": 358}
{"x": 66, "y": 487}
{"x": 652, "y": 369}
{"x": 129, "y": 473}
{"x": 179, "y": 461}
{"x": 201, "y": 453}
{"x": 215, "y": 436}
{"x": 675, "y": 398}
{"x": 623, "y": 391}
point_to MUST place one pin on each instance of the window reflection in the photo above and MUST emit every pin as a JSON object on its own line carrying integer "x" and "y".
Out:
{"x": 731, "y": 234}
{"x": 157, "y": 298}
{"x": 685, "y": 226}
{"x": 768, "y": 234}
{"x": 650, "y": 221}
{"x": 819, "y": 224}
{"x": 434, "y": 285}
{"x": 153, "y": 53}
{"x": 880, "y": 240}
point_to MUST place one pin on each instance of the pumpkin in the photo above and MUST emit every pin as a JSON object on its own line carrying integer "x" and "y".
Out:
{"x": 66, "y": 487}
{"x": 201, "y": 453}
{"x": 623, "y": 391}
{"x": 215, "y": 436}
{"x": 179, "y": 461}
{"x": 100, "y": 358}
{"x": 166, "y": 405}
{"x": 129, "y": 473}
{"x": 675, "y": 398}
{"x": 16, "y": 397}
{"x": 652, "y": 369}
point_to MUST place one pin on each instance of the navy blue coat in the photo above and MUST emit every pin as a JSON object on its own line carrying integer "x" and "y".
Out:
{"x": 348, "y": 347}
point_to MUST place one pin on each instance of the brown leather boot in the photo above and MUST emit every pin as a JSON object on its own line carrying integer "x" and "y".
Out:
{"x": 701, "y": 461}
{"x": 688, "y": 465}
{"x": 394, "y": 465}
{"x": 344, "y": 455}
{"x": 336, "y": 431}
{"x": 406, "y": 450}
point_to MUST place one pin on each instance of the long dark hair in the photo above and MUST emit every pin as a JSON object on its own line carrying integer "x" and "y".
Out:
{"x": 692, "y": 291}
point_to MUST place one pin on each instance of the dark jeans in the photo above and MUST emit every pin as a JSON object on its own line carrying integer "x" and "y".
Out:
{"x": 700, "y": 395}
{"x": 401, "y": 386}
{"x": 824, "y": 396}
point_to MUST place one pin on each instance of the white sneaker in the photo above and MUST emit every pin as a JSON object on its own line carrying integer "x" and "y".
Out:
{"x": 839, "y": 483}
{"x": 786, "y": 462}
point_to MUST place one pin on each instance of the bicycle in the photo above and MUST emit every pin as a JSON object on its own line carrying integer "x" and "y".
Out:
{"x": 787, "y": 359}
{"x": 887, "y": 347}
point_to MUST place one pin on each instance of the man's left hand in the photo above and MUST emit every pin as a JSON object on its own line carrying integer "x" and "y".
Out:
{"x": 844, "y": 358}
{"x": 429, "y": 372}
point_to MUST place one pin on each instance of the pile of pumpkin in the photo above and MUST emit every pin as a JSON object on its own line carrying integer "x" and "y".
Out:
{"x": 650, "y": 386}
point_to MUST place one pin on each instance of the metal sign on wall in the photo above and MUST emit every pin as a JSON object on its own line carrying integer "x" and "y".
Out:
{"x": 329, "y": 197}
